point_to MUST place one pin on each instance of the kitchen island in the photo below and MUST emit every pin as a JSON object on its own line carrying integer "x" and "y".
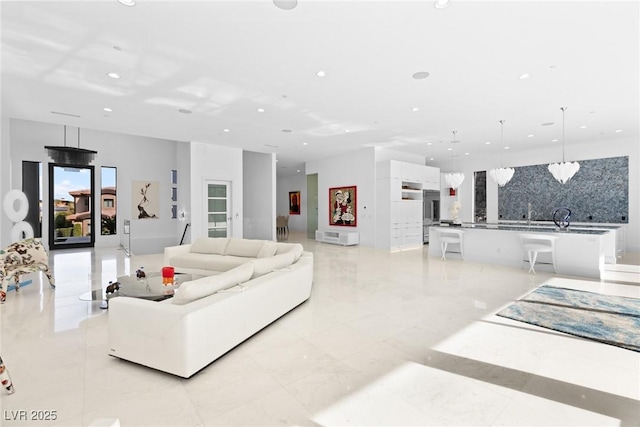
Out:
{"x": 580, "y": 251}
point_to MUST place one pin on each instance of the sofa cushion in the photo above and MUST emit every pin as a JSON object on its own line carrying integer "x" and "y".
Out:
{"x": 269, "y": 249}
{"x": 210, "y": 245}
{"x": 267, "y": 265}
{"x": 192, "y": 260}
{"x": 296, "y": 248}
{"x": 223, "y": 262}
{"x": 200, "y": 288}
{"x": 244, "y": 247}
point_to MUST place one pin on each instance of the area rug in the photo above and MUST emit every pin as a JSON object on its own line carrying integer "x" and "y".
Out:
{"x": 608, "y": 319}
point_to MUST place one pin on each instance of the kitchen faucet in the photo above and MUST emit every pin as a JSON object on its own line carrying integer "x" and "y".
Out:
{"x": 530, "y": 212}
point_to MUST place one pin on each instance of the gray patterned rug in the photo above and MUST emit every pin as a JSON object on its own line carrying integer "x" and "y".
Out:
{"x": 608, "y": 319}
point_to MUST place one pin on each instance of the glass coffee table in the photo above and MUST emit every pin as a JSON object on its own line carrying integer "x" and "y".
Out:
{"x": 150, "y": 287}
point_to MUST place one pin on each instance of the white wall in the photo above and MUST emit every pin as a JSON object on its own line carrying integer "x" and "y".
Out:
{"x": 584, "y": 151}
{"x": 354, "y": 168}
{"x": 5, "y": 177}
{"x": 183, "y": 163}
{"x": 385, "y": 154}
{"x": 289, "y": 183}
{"x": 259, "y": 195}
{"x": 135, "y": 157}
{"x": 216, "y": 163}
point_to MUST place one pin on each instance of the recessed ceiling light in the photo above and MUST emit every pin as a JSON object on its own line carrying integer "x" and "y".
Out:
{"x": 107, "y": 109}
{"x": 618, "y": 130}
{"x": 432, "y": 158}
{"x": 524, "y": 76}
{"x": 530, "y": 135}
{"x": 260, "y": 110}
{"x": 226, "y": 130}
{"x": 184, "y": 111}
{"x": 285, "y": 4}
{"x": 554, "y": 140}
{"x": 420, "y": 75}
{"x": 547, "y": 123}
{"x": 449, "y": 149}
{"x": 298, "y": 170}
{"x": 441, "y": 4}
{"x": 113, "y": 75}
{"x": 414, "y": 109}
{"x": 506, "y": 148}
{"x": 127, "y": 2}
{"x": 466, "y": 154}
{"x": 429, "y": 143}
{"x": 321, "y": 74}
{"x": 488, "y": 142}
{"x": 583, "y": 127}
{"x": 305, "y": 143}
{"x": 346, "y": 130}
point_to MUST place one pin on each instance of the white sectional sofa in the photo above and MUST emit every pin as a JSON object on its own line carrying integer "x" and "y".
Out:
{"x": 209, "y": 316}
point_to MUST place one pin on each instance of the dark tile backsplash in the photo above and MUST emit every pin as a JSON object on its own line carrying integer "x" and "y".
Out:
{"x": 598, "y": 192}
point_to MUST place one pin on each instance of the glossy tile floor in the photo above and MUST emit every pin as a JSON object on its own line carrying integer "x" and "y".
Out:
{"x": 386, "y": 339}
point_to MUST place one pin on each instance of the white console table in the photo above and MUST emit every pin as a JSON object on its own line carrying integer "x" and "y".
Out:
{"x": 344, "y": 238}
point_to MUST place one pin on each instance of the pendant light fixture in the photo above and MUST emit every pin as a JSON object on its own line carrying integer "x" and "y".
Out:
{"x": 502, "y": 175}
{"x": 70, "y": 155}
{"x": 454, "y": 179}
{"x": 564, "y": 171}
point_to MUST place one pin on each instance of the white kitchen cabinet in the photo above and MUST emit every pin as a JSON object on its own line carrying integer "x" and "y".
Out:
{"x": 399, "y": 192}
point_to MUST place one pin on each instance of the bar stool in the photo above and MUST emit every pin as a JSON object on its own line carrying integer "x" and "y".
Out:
{"x": 534, "y": 243}
{"x": 453, "y": 237}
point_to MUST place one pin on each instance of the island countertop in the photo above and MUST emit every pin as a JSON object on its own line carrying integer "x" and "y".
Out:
{"x": 579, "y": 251}
{"x": 538, "y": 228}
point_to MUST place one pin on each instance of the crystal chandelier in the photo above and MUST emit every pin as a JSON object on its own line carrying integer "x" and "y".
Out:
{"x": 454, "y": 179}
{"x": 502, "y": 175}
{"x": 564, "y": 171}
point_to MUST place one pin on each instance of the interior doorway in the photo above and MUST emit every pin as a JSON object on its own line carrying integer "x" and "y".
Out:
{"x": 312, "y": 205}
{"x": 71, "y": 213}
{"x": 218, "y": 206}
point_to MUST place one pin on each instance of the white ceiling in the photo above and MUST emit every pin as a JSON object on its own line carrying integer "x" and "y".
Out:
{"x": 224, "y": 60}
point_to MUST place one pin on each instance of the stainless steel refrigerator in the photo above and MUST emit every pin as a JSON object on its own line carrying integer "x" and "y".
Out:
{"x": 431, "y": 211}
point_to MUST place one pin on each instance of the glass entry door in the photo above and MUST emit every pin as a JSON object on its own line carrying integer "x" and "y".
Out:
{"x": 218, "y": 205}
{"x": 71, "y": 217}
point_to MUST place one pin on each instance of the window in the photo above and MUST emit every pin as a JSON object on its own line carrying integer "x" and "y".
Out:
{"x": 109, "y": 200}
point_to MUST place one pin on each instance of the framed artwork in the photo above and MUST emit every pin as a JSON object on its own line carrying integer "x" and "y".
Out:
{"x": 145, "y": 199}
{"x": 294, "y": 203}
{"x": 342, "y": 206}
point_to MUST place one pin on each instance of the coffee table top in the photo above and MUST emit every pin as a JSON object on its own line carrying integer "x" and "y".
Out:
{"x": 150, "y": 287}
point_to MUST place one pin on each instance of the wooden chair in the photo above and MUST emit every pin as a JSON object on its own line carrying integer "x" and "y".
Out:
{"x": 282, "y": 226}
{"x": 23, "y": 257}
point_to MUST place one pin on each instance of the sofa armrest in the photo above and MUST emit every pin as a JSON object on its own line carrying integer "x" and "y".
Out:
{"x": 171, "y": 251}
{"x": 142, "y": 317}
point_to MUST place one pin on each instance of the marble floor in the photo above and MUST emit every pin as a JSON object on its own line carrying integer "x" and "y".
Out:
{"x": 386, "y": 339}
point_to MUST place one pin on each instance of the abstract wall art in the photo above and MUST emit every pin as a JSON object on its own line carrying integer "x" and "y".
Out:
{"x": 145, "y": 199}
{"x": 342, "y": 206}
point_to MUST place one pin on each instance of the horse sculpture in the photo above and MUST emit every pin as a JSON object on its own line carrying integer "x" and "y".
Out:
{"x": 22, "y": 257}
